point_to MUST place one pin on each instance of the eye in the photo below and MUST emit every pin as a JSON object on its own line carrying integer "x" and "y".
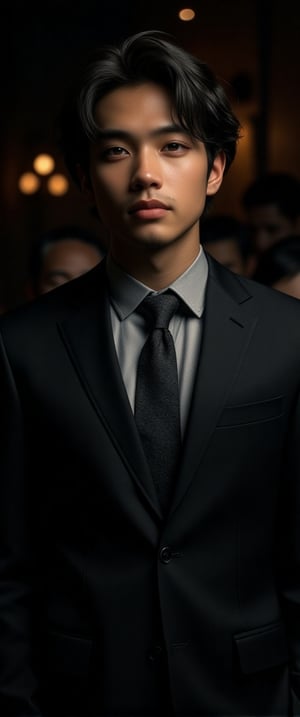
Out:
{"x": 113, "y": 153}
{"x": 175, "y": 147}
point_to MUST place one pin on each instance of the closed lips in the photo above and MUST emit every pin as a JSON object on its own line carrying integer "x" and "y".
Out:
{"x": 151, "y": 204}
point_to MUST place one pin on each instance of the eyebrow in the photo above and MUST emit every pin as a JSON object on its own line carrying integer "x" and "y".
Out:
{"x": 123, "y": 134}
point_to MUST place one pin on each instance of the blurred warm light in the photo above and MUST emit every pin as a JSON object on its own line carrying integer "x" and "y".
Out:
{"x": 58, "y": 185}
{"x": 29, "y": 183}
{"x": 186, "y": 14}
{"x": 43, "y": 164}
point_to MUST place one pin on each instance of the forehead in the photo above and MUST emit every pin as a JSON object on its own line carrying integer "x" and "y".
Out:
{"x": 224, "y": 248}
{"x": 290, "y": 285}
{"x": 230, "y": 244}
{"x": 134, "y": 107}
{"x": 68, "y": 250}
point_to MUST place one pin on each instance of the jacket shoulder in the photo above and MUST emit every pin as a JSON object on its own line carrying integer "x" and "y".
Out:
{"x": 260, "y": 297}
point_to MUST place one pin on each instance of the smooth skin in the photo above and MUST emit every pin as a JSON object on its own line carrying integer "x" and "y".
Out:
{"x": 227, "y": 252}
{"x": 289, "y": 285}
{"x": 143, "y": 155}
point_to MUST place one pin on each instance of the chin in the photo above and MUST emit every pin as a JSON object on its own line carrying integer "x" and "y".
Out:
{"x": 153, "y": 241}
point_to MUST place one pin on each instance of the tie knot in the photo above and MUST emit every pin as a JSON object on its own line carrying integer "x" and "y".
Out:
{"x": 158, "y": 309}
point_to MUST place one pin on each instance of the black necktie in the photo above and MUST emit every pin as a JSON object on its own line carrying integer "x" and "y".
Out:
{"x": 157, "y": 411}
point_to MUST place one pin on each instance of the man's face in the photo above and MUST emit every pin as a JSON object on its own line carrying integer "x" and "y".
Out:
{"x": 148, "y": 178}
{"x": 268, "y": 226}
{"x": 289, "y": 285}
{"x": 64, "y": 260}
{"x": 227, "y": 252}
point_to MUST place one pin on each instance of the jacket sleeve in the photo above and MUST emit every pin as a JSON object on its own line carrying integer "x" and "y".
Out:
{"x": 17, "y": 679}
{"x": 289, "y": 550}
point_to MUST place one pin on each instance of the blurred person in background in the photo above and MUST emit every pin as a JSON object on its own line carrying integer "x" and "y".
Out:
{"x": 59, "y": 255}
{"x": 226, "y": 240}
{"x": 272, "y": 207}
{"x": 279, "y": 266}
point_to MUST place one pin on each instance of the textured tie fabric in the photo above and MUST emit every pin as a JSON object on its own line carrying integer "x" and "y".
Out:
{"x": 157, "y": 412}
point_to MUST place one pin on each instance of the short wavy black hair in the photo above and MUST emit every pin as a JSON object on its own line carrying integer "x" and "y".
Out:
{"x": 200, "y": 102}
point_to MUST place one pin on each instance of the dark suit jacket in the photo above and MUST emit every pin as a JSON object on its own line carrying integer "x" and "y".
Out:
{"x": 106, "y": 608}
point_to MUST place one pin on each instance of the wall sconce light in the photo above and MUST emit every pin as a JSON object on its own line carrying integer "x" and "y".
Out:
{"x": 186, "y": 14}
{"x": 43, "y": 164}
{"x": 57, "y": 185}
{"x": 29, "y": 183}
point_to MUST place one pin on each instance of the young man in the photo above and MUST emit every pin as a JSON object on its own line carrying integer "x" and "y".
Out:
{"x": 150, "y": 548}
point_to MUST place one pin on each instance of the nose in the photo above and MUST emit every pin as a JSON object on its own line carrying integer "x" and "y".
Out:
{"x": 146, "y": 171}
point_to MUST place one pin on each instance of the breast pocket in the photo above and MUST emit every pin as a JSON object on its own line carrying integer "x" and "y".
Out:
{"x": 68, "y": 654}
{"x": 262, "y": 648}
{"x": 248, "y": 413}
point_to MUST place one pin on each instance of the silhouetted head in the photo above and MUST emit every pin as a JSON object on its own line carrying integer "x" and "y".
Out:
{"x": 60, "y": 255}
{"x": 226, "y": 239}
{"x": 272, "y": 205}
{"x": 279, "y": 266}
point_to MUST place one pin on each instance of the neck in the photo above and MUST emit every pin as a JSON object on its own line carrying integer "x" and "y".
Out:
{"x": 157, "y": 269}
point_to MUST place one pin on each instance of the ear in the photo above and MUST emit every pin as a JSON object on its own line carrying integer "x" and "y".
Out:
{"x": 85, "y": 185}
{"x": 215, "y": 177}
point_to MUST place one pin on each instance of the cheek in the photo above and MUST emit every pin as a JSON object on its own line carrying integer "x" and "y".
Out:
{"x": 194, "y": 192}
{"x": 105, "y": 192}
{"x": 105, "y": 179}
{"x": 192, "y": 181}
{"x": 109, "y": 201}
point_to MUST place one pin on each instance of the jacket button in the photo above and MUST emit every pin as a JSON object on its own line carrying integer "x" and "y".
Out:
{"x": 165, "y": 554}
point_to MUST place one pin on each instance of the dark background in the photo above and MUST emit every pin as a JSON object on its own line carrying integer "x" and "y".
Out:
{"x": 252, "y": 46}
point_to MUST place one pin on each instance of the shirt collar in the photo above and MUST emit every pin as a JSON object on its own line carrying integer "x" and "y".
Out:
{"x": 126, "y": 292}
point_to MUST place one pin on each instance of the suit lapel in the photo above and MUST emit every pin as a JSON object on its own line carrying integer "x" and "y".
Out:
{"x": 227, "y": 331}
{"x": 87, "y": 335}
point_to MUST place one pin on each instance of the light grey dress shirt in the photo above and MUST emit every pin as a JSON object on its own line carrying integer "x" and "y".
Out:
{"x": 130, "y": 332}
